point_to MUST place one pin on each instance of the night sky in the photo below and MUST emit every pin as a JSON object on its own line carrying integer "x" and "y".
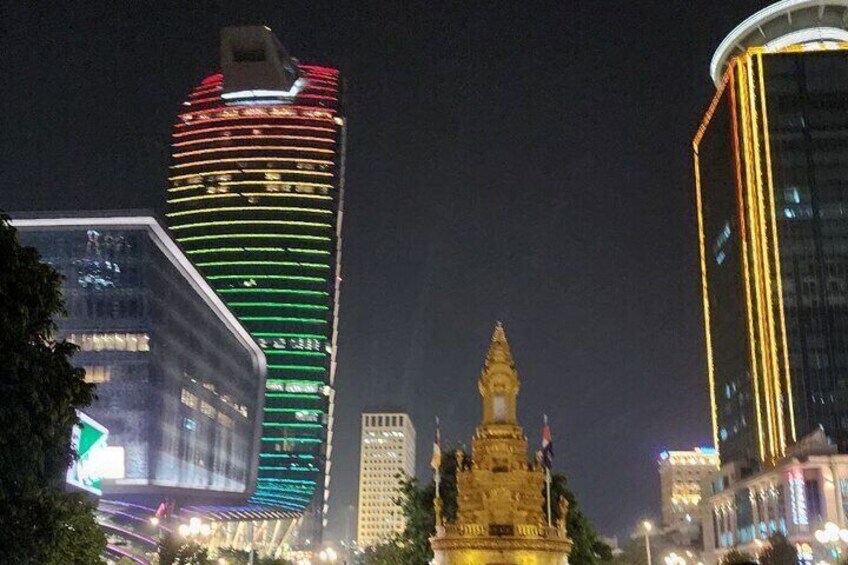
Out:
{"x": 520, "y": 161}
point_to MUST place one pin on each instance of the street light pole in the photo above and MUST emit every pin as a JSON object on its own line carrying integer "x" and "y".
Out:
{"x": 647, "y": 526}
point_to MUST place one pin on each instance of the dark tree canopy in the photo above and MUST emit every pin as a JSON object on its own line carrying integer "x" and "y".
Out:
{"x": 174, "y": 550}
{"x": 41, "y": 390}
{"x": 736, "y": 557}
{"x": 235, "y": 556}
{"x": 778, "y": 551}
{"x": 415, "y": 502}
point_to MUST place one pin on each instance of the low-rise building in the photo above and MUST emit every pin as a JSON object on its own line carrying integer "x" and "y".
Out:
{"x": 681, "y": 476}
{"x": 796, "y": 497}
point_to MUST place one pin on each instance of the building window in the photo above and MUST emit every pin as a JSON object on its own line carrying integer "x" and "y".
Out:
{"x": 207, "y": 410}
{"x": 111, "y": 341}
{"x": 499, "y": 406}
{"x": 225, "y": 420}
{"x": 814, "y": 507}
{"x": 188, "y": 399}
{"x": 98, "y": 374}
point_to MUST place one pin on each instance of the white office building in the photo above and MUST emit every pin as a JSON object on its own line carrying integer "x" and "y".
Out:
{"x": 387, "y": 452}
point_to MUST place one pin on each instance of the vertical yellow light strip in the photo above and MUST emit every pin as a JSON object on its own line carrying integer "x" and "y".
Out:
{"x": 761, "y": 264}
{"x": 766, "y": 198}
{"x": 705, "y": 295}
{"x": 746, "y": 189}
{"x": 703, "y": 252}
{"x": 777, "y": 271}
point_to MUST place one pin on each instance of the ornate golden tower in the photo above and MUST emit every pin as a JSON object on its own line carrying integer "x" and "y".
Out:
{"x": 500, "y": 519}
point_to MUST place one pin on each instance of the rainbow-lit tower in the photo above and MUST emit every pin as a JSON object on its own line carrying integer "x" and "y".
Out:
{"x": 255, "y": 199}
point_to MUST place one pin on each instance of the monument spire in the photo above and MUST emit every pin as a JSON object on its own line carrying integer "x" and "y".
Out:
{"x": 500, "y": 514}
{"x": 499, "y": 382}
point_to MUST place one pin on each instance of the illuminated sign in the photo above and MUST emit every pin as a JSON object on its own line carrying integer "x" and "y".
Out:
{"x": 95, "y": 460}
{"x": 88, "y": 440}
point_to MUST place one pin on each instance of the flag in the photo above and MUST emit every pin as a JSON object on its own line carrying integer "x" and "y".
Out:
{"x": 436, "y": 459}
{"x": 547, "y": 446}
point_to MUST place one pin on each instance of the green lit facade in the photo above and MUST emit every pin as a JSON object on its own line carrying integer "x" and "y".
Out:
{"x": 255, "y": 200}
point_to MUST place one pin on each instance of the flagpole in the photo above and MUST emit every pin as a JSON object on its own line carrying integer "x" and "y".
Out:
{"x": 548, "y": 481}
{"x": 436, "y": 463}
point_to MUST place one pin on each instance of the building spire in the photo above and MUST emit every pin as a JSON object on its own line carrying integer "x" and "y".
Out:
{"x": 499, "y": 350}
{"x": 498, "y": 382}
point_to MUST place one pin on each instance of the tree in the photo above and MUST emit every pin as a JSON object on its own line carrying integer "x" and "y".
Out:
{"x": 235, "y": 556}
{"x": 736, "y": 557}
{"x": 778, "y": 552}
{"x": 41, "y": 391}
{"x": 388, "y": 553}
{"x": 174, "y": 551}
{"x": 412, "y": 546}
{"x": 633, "y": 552}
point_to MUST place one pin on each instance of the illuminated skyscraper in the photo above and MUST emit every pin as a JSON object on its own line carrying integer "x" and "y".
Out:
{"x": 255, "y": 199}
{"x": 771, "y": 170}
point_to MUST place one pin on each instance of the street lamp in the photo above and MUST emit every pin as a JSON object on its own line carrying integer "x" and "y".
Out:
{"x": 647, "y": 526}
{"x": 831, "y": 535}
{"x": 194, "y": 528}
{"x": 674, "y": 559}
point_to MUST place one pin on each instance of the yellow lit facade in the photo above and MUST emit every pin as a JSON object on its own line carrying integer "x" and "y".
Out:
{"x": 500, "y": 516}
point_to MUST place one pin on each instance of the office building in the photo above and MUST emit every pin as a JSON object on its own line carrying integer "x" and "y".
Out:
{"x": 180, "y": 382}
{"x": 681, "y": 476}
{"x": 771, "y": 172}
{"x": 797, "y": 497}
{"x": 386, "y": 453}
{"x": 255, "y": 201}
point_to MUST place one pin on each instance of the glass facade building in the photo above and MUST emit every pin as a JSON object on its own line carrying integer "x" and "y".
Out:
{"x": 179, "y": 380}
{"x": 255, "y": 200}
{"x": 771, "y": 167}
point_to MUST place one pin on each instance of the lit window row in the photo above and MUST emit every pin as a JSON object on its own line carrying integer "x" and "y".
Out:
{"x": 98, "y": 374}
{"x": 111, "y": 341}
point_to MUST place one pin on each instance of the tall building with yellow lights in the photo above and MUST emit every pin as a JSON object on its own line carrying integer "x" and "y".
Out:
{"x": 771, "y": 172}
{"x": 500, "y": 516}
{"x": 255, "y": 200}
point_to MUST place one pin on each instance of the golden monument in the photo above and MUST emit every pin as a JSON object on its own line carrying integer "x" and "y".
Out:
{"x": 500, "y": 519}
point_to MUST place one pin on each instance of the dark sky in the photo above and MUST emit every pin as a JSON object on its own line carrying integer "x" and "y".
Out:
{"x": 521, "y": 161}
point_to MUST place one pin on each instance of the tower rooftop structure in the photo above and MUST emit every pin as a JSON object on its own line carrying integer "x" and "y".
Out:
{"x": 814, "y": 23}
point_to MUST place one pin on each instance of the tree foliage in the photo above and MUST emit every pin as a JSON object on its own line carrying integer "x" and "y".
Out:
{"x": 235, "y": 556}
{"x": 41, "y": 390}
{"x": 588, "y": 548}
{"x": 415, "y": 502}
{"x": 736, "y": 557}
{"x": 633, "y": 552}
{"x": 175, "y": 551}
{"x": 778, "y": 551}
